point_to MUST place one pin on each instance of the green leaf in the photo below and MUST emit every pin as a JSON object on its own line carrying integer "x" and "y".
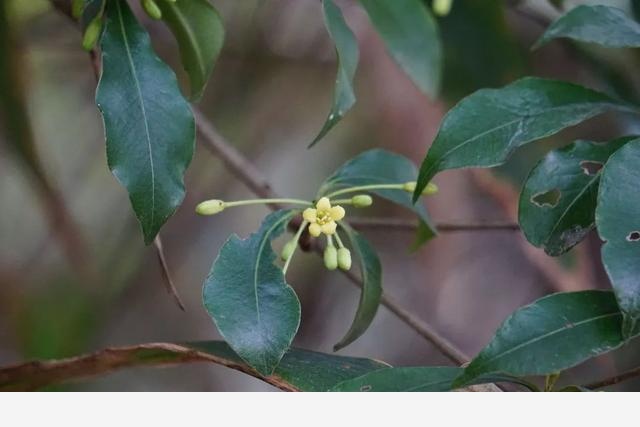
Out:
{"x": 199, "y": 31}
{"x": 554, "y": 333}
{"x": 488, "y": 125}
{"x": 255, "y": 310}
{"x": 411, "y": 35}
{"x": 404, "y": 379}
{"x": 299, "y": 370}
{"x": 418, "y": 379}
{"x": 558, "y": 201}
{"x": 348, "y": 54}
{"x": 371, "y": 272}
{"x": 604, "y": 25}
{"x": 149, "y": 126}
{"x": 379, "y": 166}
{"x": 618, "y": 222}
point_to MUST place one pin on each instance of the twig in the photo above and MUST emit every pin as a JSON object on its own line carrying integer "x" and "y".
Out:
{"x": 445, "y": 227}
{"x": 632, "y": 373}
{"x": 166, "y": 275}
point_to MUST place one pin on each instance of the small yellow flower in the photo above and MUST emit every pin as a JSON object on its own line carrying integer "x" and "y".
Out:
{"x": 323, "y": 218}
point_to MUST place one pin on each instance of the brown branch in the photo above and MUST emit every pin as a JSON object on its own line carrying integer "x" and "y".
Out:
{"x": 35, "y": 375}
{"x": 630, "y": 374}
{"x": 445, "y": 227}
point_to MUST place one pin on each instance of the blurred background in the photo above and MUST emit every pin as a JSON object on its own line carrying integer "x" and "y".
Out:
{"x": 88, "y": 282}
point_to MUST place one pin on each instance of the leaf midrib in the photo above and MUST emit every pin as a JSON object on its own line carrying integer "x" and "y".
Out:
{"x": 134, "y": 73}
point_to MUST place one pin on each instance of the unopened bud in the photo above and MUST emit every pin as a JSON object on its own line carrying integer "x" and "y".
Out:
{"x": 92, "y": 34}
{"x": 344, "y": 258}
{"x": 331, "y": 257}
{"x": 429, "y": 190}
{"x": 152, "y": 9}
{"x": 76, "y": 8}
{"x": 288, "y": 249}
{"x": 210, "y": 207}
{"x": 442, "y": 7}
{"x": 361, "y": 200}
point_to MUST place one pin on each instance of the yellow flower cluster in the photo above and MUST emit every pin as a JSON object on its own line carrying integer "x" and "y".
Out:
{"x": 323, "y": 218}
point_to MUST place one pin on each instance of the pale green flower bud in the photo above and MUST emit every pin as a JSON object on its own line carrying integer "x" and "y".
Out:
{"x": 361, "y": 200}
{"x": 288, "y": 249}
{"x": 344, "y": 258}
{"x": 210, "y": 207}
{"x": 92, "y": 34}
{"x": 152, "y": 9}
{"x": 76, "y": 8}
{"x": 429, "y": 190}
{"x": 331, "y": 258}
{"x": 442, "y": 7}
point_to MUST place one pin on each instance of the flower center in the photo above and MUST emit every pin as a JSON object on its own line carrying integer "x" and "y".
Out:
{"x": 323, "y": 217}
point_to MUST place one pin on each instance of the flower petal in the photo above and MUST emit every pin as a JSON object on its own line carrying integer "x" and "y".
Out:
{"x": 329, "y": 228}
{"x": 310, "y": 215}
{"x": 336, "y": 213}
{"x": 315, "y": 229}
{"x": 323, "y": 204}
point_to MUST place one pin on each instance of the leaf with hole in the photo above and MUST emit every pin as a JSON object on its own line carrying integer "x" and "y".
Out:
{"x": 488, "y": 125}
{"x": 371, "y": 271}
{"x": 558, "y": 201}
{"x": 149, "y": 126}
{"x": 199, "y": 31}
{"x": 605, "y": 25}
{"x": 411, "y": 36}
{"x": 247, "y": 297}
{"x": 348, "y": 55}
{"x": 380, "y": 167}
{"x": 618, "y": 222}
{"x": 299, "y": 370}
{"x": 550, "y": 335}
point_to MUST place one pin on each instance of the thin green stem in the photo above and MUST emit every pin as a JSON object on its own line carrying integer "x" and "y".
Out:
{"x": 267, "y": 201}
{"x": 365, "y": 188}
{"x": 339, "y": 240}
{"x": 342, "y": 202}
{"x": 296, "y": 238}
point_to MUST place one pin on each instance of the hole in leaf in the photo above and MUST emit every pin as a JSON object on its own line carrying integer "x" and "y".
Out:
{"x": 591, "y": 168}
{"x": 634, "y": 236}
{"x": 365, "y": 388}
{"x": 547, "y": 199}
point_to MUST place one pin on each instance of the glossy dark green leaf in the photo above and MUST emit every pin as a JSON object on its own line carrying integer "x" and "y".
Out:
{"x": 403, "y": 379}
{"x": 299, "y": 370}
{"x": 418, "y": 379}
{"x": 604, "y": 25}
{"x": 618, "y": 222}
{"x": 554, "y": 333}
{"x": 149, "y": 126}
{"x": 348, "y": 55}
{"x": 371, "y": 271}
{"x": 558, "y": 201}
{"x": 379, "y": 166}
{"x": 411, "y": 36}
{"x": 488, "y": 125}
{"x": 255, "y": 310}
{"x": 199, "y": 31}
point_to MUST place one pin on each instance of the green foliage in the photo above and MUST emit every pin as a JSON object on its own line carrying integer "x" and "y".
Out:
{"x": 371, "y": 272}
{"x": 199, "y": 31}
{"x": 348, "y": 54}
{"x": 254, "y": 309}
{"x": 554, "y": 333}
{"x": 411, "y": 35}
{"x": 618, "y": 221}
{"x": 149, "y": 126}
{"x": 488, "y": 125}
{"x": 604, "y": 25}
{"x": 572, "y": 174}
{"x": 418, "y": 379}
